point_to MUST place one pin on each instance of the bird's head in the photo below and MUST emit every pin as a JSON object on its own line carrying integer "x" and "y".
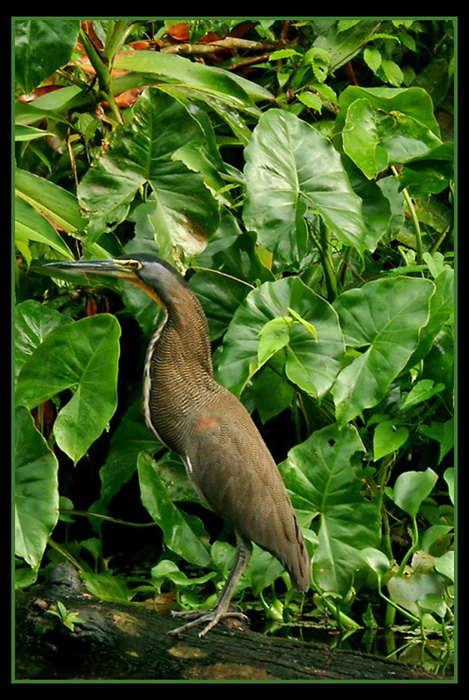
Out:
{"x": 152, "y": 274}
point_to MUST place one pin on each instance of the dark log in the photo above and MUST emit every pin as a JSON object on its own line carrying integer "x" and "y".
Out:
{"x": 130, "y": 642}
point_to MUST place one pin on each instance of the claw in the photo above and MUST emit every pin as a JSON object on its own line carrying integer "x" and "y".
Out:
{"x": 212, "y": 617}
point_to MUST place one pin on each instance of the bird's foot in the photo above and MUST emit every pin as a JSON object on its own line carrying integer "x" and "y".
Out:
{"x": 200, "y": 617}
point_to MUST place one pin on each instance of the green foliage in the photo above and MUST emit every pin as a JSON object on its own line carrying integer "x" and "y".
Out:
{"x": 303, "y": 182}
{"x": 67, "y": 618}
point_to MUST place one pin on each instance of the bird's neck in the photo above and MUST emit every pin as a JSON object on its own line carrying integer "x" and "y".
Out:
{"x": 185, "y": 335}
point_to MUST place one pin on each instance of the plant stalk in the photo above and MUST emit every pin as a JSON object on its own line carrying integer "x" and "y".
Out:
{"x": 324, "y": 246}
{"x": 415, "y": 221}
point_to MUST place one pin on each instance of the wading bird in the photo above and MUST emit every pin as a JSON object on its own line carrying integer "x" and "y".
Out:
{"x": 226, "y": 459}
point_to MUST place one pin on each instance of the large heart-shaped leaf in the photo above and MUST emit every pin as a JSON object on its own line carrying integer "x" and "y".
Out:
{"x": 382, "y": 319}
{"x": 291, "y": 171}
{"x": 82, "y": 357}
{"x": 41, "y": 46}
{"x": 33, "y": 322}
{"x": 311, "y": 362}
{"x": 320, "y": 478}
{"x": 142, "y": 153}
{"x": 36, "y": 490}
{"x": 382, "y": 126}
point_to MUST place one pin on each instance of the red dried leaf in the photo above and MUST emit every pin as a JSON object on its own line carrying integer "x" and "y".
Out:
{"x": 179, "y": 32}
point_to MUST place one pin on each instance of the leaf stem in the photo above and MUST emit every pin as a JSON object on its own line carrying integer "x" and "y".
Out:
{"x": 107, "y": 518}
{"x": 412, "y": 549}
{"x": 296, "y": 417}
{"x": 101, "y": 65}
{"x": 415, "y": 221}
{"x": 224, "y": 274}
{"x": 324, "y": 247}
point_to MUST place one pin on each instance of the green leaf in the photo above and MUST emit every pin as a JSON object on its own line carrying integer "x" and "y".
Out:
{"x": 220, "y": 296}
{"x": 308, "y": 326}
{"x": 271, "y": 392}
{"x": 441, "y": 310}
{"x": 274, "y": 336}
{"x": 49, "y": 105}
{"x": 33, "y": 322}
{"x": 142, "y": 153}
{"x": 391, "y": 71}
{"x": 196, "y": 76}
{"x": 31, "y": 226}
{"x": 107, "y": 587}
{"x": 442, "y": 433}
{"x": 372, "y": 138}
{"x": 183, "y": 534}
{"x": 343, "y": 45}
{"x": 433, "y": 603}
{"x": 412, "y": 488}
{"x": 319, "y": 477}
{"x": 311, "y": 100}
{"x": 413, "y": 102}
{"x": 167, "y": 570}
{"x": 291, "y": 172}
{"x": 36, "y": 490}
{"x": 49, "y": 199}
{"x": 449, "y": 478}
{"x": 422, "y": 391}
{"x": 372, "y": 58}
{"x": 83, "y": 357}
{"x": 361, "y": 139}
{"x": 376, "y": 207}
{"x": 376, "y": 560}
{"x": 29, "y": 133}
{"x": 445, "y": 565}
{"x": 430, "y": 173}
{"x": 387, "y": 438}
{"x": 310, "y": 363}
{"x": 283, "y": 53}
{"x": 406, "y": 591}
{"x": 262, "y": 570}
{"x": 42, "y": 46}
{"x": 382, "y": 319}
{"x": 386, "y": 125}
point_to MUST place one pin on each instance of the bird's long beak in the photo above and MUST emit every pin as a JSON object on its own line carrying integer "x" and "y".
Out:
{"x": 118, "y": 269}
{"x": 105, "y": 268}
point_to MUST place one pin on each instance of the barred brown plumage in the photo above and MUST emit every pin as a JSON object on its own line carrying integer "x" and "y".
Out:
{"x": 226, "y": 459}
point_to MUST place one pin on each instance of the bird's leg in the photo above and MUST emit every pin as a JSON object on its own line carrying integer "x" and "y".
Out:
{"x": 221, "y": 607}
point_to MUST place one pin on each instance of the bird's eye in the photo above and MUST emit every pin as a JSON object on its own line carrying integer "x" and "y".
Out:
{"x": 134, "y": 264}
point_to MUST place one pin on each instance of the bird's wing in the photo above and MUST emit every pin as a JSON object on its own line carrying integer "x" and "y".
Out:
{"x": 236, "y": 474}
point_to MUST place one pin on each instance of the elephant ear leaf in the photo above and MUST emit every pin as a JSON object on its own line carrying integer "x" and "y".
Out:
{"x": 293, "y": 171}
{"x": 382, "y": 321}
{"x": 144, "y": 153}
{"x": 322, "y": 480}
{"x": 81, "y": 357}
{"x": 283, "y": 316}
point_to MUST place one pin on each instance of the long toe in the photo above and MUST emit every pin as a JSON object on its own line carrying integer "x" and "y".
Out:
{"x": 209, "y": 618}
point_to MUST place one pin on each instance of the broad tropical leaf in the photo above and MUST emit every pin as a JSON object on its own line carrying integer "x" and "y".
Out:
{"x": 310, "y": 362}
{"x": 291, "y": 171}
{"x": 82, "y": 357}
{"x": 321, "y": 479}
{"x": 382, "y": 320}
{"x": 141, "y": 153}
